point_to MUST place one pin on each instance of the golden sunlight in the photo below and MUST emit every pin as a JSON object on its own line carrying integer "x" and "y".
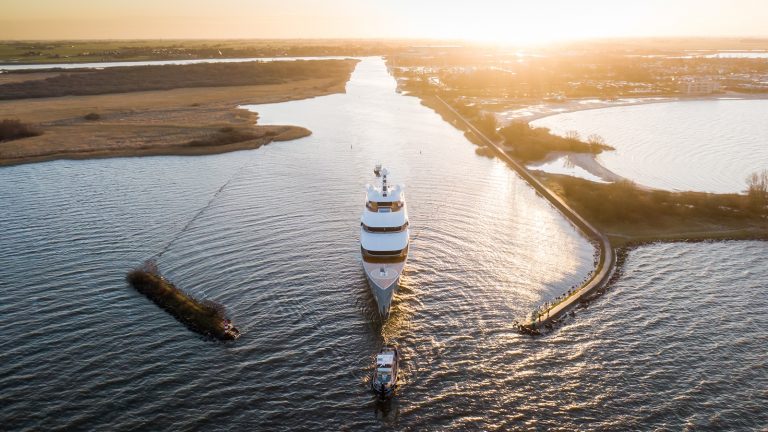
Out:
{"x": 481, "y": 20}
{"x": 534, "y": 23}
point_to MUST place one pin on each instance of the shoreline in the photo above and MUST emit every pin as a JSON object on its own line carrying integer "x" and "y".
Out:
{"x": 178, "y": 122}
{"x": 586, "y": 161}
{"x": 605, "y": 258}
{"x": 670, "y": 225}
{"x": 63, "y": 64}
{"x": 610, "y": 245}
{"x": 589, "y": 162}
{"x": 284, "y": 133}
{"x": 549, "y": 109}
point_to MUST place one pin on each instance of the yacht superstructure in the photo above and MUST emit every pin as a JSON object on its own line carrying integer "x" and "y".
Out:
{"x": 384, "y": 237}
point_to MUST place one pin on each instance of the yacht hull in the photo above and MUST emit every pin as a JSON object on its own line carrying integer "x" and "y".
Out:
{"x": 384, "y": 280}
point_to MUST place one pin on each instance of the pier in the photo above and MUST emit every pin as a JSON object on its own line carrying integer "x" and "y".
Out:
{"x": 545, "y": 316}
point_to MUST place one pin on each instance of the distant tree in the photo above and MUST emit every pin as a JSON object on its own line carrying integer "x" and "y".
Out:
{"x": 597, "y": 143}
{"x": 757, "y": 188}
{"x": 467, "y": 110}
{"x": 487, "y": 124}
{"x": 573, "y": 135}
{"x": 596, "y": 139}
{"x": 516, "y": 130}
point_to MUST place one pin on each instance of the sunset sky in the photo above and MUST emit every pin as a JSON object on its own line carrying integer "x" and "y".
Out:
{"x": 484, "y": 20}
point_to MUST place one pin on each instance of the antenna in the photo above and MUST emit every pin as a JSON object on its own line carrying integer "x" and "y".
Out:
{"x": 384, "y": 173}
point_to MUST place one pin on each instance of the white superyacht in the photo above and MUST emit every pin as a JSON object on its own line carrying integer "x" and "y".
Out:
{"x": 384, "y": 237}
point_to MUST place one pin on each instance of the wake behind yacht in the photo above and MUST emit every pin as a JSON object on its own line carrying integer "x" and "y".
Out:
{"x": 384, "y": 237}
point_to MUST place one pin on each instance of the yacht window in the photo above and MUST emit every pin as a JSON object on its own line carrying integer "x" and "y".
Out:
{"x": 384, "y": 229}
{"x": 384, "y": 256}
{"x": 394, "y": 252}
{"x": 384, "y": 206}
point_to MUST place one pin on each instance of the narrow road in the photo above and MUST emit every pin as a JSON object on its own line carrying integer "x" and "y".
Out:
{"x": 607, "y": 262}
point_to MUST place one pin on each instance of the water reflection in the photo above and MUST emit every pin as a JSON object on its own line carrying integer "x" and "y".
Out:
{"x": 288, "y": 271}
{"x": 102, "y": 65}
{"x": 705, "y": 145}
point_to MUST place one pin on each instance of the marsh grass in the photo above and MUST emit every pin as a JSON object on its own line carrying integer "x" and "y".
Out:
{"x": 167, "y": 77}
{"x": 227, "y": 135}
{"x": 535, "y": 143}
{"x": 11, "y": 129}
{"x": 631, "y": 213}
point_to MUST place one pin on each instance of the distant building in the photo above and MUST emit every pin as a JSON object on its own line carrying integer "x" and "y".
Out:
{"x": 699, "y": 86}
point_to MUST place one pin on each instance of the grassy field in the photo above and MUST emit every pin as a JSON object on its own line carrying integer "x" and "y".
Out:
{"x": 185, "y": 121}
{"x": 11, "y": 129}
{"x": 630, "y": 215}
{"x": 32, "y": 52}
{"x": 167, "y": 77}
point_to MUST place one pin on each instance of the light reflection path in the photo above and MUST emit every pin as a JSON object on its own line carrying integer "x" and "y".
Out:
{"x": 543, "y": 317}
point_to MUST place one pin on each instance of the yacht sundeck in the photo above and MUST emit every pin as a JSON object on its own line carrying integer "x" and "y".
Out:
{"x": 384, "y": 235}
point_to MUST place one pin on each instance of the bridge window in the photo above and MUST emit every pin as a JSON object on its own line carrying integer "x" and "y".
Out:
{"x": 384, "y": 229}
{"x": 384, "y": 206}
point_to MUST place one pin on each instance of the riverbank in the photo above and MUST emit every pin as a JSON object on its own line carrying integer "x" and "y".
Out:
{"x": 182, "y": 121}
{"x": 605, "y": 257}
{"x": 586, "y": 161}
{"x": 632, "y": 215}
{"x": 54, "y": 52}
{"x": 539, "y": 109}
{"x": 110, "y": 80}
{"x": 620, "y": 215}
{"x": 714, "y": 146}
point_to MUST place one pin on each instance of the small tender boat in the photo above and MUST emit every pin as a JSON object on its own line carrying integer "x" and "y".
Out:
{"x": 384, "y": 380}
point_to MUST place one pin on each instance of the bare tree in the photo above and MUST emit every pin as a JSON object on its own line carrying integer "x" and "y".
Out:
{"x": 757, "y": 188}
{"x": 573, "y": 135}
{"x": 595, "y": 139}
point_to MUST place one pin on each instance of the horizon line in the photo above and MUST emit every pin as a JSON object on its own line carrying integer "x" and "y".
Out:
{"x": 400, "y": 39}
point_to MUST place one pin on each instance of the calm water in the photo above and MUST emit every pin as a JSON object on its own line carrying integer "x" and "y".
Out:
{"x": 101, "y": 65}
{"x": 564, "y": 165}
{"x": 694, "y": 145}
{"x": 740, "y": 54}
{"x": 278, "y": 246}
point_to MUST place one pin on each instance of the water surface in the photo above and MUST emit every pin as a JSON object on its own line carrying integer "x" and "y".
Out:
{"x": 279, "y": 246}
{"x": 678, "y": 343}
{"x": 704, "y": 145}
{"x": 102, "y": 65}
